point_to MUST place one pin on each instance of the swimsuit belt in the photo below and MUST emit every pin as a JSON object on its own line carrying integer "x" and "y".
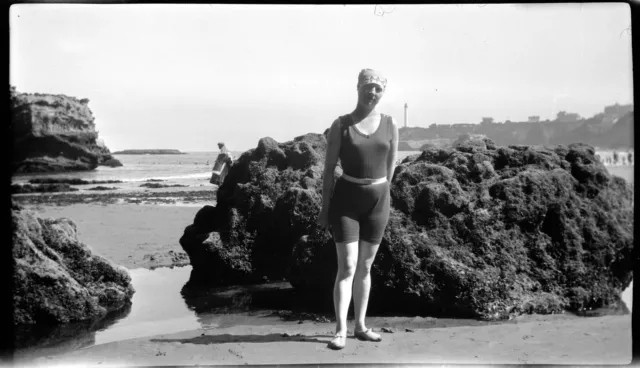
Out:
{"x": 363, "y": 181}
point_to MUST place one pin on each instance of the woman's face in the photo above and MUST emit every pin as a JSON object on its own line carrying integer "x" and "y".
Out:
{"x": 370, "y": 94}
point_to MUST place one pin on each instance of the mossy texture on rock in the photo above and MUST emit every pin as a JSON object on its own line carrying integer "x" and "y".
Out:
{"x": 477, "y": 230}
{"x": 540, "y": 230}
{"x": 269, "y": 199}
{"x": 55, "y": 133}
{"x": 56, "y": 277}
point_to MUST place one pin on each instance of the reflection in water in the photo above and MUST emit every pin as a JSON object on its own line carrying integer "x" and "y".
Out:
{"x": 226, "y": 306}
{"x": 38, "y": 340}
{"x": 157, "y": 306}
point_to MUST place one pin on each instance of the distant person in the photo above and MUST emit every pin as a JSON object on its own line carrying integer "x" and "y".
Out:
{"x": 221, "y": 165}
{"x": 222, "y": 147}
{"x": 630, "y": 158}
{"x": 356, "y": 210}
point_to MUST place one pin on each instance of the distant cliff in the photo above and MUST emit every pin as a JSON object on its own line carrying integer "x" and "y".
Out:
{"x": 149, "y": 152}
{"x": 619, "y": 135}
{"x": 54, "y": 133}
{"x": 592, "y": 131}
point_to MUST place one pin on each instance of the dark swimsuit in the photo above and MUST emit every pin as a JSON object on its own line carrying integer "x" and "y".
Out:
{"x": 361, "y": 211}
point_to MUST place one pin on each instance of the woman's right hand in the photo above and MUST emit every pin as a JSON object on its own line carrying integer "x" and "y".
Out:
{"x": 323, "y": 221}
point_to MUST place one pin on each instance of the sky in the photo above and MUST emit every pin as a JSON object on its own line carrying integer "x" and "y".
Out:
{"x": 188, "y": 76}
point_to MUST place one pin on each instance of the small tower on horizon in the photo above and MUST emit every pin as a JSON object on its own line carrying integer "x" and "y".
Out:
{"x": 406, "y": 114}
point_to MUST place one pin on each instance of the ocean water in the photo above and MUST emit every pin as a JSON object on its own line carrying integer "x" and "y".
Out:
{"x": 191, "y": 169}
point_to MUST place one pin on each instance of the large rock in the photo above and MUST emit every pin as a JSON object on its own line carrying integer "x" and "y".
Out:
{"x": 55, "y": 133}
{"x": 489, "y": 231}
{"x": 56, "y": 277}
{"x": 476, "y": 230}
{"x": 269, "y": 199}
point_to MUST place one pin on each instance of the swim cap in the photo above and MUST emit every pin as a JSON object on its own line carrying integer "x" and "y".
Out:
{"x": 367, "y": 76}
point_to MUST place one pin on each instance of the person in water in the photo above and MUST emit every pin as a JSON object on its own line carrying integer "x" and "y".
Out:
{"x": 356, "y": 209}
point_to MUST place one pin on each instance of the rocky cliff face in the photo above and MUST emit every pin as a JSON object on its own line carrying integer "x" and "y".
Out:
{"x": 476, "y": 230}
{"x": 56, "y": 277}
{"x": 55, "y": 133}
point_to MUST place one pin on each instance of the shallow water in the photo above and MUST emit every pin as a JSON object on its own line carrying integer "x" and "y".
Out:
{"x": 191, "y": 169}
{"x": 156, "y": 306}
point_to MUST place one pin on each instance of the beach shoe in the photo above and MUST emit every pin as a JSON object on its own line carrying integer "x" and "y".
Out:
{"x": 367, "y": 335}
{"x": 338, "y": 342}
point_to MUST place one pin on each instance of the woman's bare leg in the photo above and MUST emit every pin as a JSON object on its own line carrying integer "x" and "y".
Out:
{"x": 347, "y": 260}
{"x": 362, "y": 281}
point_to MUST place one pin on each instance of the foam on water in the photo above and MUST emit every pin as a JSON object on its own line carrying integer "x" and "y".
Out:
{"x": 174, "y": 177}
{"x": 138, "y": 168}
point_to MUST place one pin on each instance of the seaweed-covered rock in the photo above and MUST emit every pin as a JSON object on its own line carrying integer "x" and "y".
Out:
{"x": 41, "y": 188}
{"x": 476, "y": 230}
{"x": 269, "y": 199}
{"x": 56, "y": 277}
{"x": 541, "y": 231}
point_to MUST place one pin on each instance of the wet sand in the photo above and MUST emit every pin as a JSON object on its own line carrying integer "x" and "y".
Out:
{"x": 131, "y": 234}
{"x": 601, "y": 340}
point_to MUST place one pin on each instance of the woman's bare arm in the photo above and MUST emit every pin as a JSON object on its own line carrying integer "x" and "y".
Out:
{"x": 393, "y": 151}
{"x": 330, "y": 162}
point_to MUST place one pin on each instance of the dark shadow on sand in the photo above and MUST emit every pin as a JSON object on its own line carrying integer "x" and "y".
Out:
{"x": 228, "y": 338}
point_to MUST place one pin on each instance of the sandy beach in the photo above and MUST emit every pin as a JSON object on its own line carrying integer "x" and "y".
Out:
{"x": 603, "y": 340}
{"x": 146, "y": 236}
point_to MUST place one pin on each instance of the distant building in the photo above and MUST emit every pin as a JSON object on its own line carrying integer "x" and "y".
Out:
{"x": 613, "y": 113}
{"x": 564, "y": 117}
{"x": 534, "y": 119}
{"x": 609, "y": 119}
{"x": 617, "y": 109}
{"x": 487, "y": 120}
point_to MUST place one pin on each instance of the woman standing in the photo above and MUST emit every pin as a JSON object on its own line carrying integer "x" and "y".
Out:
{"x": 357, "y": 209}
